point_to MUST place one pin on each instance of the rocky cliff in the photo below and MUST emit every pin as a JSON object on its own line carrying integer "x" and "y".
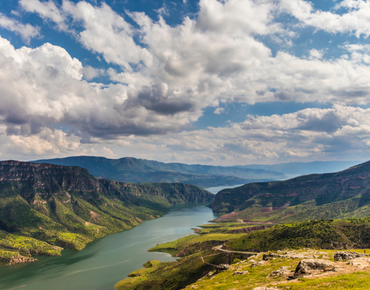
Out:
{"x": 51, "y": 205}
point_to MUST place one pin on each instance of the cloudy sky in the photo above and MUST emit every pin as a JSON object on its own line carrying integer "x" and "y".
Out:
{"x": 210, "y": 81}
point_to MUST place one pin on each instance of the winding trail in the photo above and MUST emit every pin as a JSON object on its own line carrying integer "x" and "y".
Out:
{"x": 220, "y": 248}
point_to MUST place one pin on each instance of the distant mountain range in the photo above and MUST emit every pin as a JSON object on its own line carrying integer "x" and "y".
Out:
{"x": 303, "y": 168}
{"x": 345, "y": 194}
{"x": 45, "y": 208}
{"x": 140, "y": 170}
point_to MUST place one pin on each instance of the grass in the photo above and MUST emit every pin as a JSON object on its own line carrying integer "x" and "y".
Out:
{"x": 259, "y": 277}
{"x": 189, "y": 269}
{"x": 313, "y": 234}
{"x": 192, "y": 243}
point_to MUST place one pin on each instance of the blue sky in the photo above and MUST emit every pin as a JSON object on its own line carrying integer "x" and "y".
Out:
{"x": 210, "y": 81}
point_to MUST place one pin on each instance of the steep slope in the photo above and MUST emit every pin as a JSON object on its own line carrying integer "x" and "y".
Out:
{"x": 334, "y": 195}
{"x": 139, "y": 170}
{"x": 68, "y": 207}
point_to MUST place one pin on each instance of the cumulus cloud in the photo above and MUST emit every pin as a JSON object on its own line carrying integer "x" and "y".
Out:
{"x": 355, "y": 20}
{"x": 47, "y": 10}
{"x": 90, "y": 73}
{"x": 164, "y": 76}
{"x": 45, "y": 87}
{"x": 26, "y": 31}
{"x": 213, "y": 58}
{"x": 341, "y": 131}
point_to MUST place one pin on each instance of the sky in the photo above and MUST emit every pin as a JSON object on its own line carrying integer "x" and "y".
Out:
{"x": 219, "y": 82}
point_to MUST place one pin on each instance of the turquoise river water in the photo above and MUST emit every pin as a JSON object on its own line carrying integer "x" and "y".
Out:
{"x": 106, "y": 261}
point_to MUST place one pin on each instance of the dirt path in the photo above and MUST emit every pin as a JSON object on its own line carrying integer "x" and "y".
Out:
{"x": 220, "y": 248}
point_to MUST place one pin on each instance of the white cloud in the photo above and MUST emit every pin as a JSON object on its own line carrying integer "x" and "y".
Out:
{"x": 47, "y": 10}
{"x": 356, "y": 20}
{"x": 90, "y": 73}
{"x": 316, "y": 54}
{"x": 237, "y": 18}
{"x": 170, "y": 73}
{"x": 44, "y": 86}
{"x": 341, "y": 132}
{"x": 214, "y": 58}
{"x": 26, "y": 31}
{"x": 219, "y": 110}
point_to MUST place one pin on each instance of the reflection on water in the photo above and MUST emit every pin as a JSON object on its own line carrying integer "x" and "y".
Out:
{"x": 216, "y": 189}
{"x": 105, "y": 261}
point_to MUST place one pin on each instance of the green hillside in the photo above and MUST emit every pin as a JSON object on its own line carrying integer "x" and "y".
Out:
{"x": 344, "y": 194}
{"x": 199, "y": 256}
{"x": 43, "y": 206}
{"x": 320, "y": 234}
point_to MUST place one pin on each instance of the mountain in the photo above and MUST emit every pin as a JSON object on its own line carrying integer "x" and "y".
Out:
{"x": 304, "y": 168}
{"x": 45, "y": 208}
{"x": 130, "y": 169}
{"x": 344, "y": 194}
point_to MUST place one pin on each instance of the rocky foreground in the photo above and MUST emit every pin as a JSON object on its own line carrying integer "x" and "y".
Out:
{"x": 303, "y": 269}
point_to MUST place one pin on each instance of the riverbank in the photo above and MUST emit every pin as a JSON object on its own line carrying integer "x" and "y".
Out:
{"x": 106, "y": 261}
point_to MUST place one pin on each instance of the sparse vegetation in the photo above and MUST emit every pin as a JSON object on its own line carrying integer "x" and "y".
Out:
{"x": 301, "y": 236}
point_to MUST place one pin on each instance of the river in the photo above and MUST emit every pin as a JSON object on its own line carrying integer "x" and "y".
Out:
{"x": 107, "y": 260}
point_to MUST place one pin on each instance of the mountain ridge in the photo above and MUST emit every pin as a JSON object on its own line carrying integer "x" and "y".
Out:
{"x": 271, "y": 201}
{"x": 129, "y": 169}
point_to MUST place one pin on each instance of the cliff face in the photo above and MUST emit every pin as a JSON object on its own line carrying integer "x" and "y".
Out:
{"x": 68, "y": 207}
{"x": 46, "y": 178}
{"x": 316, "y": 190}
{"x": 43, "y": 180}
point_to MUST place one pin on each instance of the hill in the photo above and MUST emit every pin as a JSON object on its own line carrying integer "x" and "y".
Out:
{"x": 344, "y": 194}
{"x": 45, "y": 208}
{"x": 233, "y": 255}
{"x": 130, "y": 169}
{"x": 304, "y": 168}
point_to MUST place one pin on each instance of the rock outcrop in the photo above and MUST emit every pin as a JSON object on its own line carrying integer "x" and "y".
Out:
{"x": 312, "y": 266}
{"x": 280, "y": 272}
{"x": 18, "y": 259}
{"x": 340, "y": 256}
{"x": 240, "y": 273}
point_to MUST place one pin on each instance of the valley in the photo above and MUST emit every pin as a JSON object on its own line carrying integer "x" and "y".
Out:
{"x": 279, "y": 226}
{"x": 47, "y": 208}
{"x": 258, "y": 229}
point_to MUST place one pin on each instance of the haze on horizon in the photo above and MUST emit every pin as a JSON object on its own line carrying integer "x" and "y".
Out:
{"x": 211, "y": 82}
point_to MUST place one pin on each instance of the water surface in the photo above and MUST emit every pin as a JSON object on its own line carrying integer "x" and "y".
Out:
{"x": 105, "y": 261}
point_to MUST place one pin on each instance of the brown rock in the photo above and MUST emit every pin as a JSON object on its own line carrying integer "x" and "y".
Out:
{"x": 240, "y": 273}
{"x": 312, "y": 266}
{"x": 340, "y": 256}
{"x": 280, "y": 272}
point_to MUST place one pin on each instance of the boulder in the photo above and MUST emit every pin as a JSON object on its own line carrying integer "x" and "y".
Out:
{"x": 360, "y": 262}
{"x": 223, "y": 267}
{"x": 270, "y": 256}
{"x": 260, "y": 263}
{"x": 280, "y": 272}
{"x": 312, "y": 266}
{"x": 340, "y": 256}
{"x": 240, "y": 273}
